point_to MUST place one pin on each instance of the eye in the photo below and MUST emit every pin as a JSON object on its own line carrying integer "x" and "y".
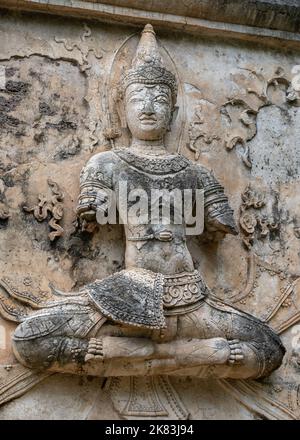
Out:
{"x": 162, "y": 99}
{"x": 136, "y": 99}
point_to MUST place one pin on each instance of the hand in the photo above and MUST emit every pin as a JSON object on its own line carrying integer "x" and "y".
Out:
{"x": 88, "y": 221}
{"x": 223, "y": 224}
{"x": 88, "y": 216}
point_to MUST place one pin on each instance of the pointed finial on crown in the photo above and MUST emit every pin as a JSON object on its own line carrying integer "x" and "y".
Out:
{"x": 147, "y": 51}
{"x": 147, "y": 65}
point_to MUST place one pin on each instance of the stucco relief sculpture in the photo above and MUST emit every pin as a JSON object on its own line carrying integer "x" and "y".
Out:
{"x": 157, "y": 316}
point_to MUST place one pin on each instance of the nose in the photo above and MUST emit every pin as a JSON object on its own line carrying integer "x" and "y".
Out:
{"x": 148, "y": 108}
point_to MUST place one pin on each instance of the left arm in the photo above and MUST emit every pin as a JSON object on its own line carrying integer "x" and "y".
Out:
{"x": 218, "y": 215}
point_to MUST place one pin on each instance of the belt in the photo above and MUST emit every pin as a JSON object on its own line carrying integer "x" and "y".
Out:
{"x": 183, "y": 292}
{"x": 161, "y": 236}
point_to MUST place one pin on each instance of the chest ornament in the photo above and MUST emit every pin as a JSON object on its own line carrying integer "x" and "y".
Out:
{"x": 167, "y": 165}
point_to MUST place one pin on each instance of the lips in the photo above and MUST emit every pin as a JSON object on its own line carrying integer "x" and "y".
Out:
{"x": 147, "y": 120}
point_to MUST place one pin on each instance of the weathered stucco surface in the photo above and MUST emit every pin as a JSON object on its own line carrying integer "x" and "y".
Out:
{"x": 238, "y": 108}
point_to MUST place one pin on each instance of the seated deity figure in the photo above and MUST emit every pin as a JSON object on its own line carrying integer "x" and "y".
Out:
{"x": 156, "y": 316}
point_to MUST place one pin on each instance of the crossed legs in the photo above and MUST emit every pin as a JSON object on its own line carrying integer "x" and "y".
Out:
{"x": 214, "y": 340}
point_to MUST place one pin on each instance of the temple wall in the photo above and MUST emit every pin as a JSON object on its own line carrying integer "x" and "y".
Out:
{"x": 238, "y": 115}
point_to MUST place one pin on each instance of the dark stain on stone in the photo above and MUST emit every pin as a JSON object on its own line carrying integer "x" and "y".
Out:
{"x": 34, "y": 74}
{"x": 20, "y": 133}
{"x": 275, "y": 233}
{"x": 69, "y": 151}
{"x": 39, "y": 137}
{"x": 8, "y": 105}
{"x": 3, "y": 223}
{"x": 9, "y": 120}
{"x": 79, "y": 244}
{"x": 8, "y": 180}
{"x": 62, "y": 125}
{"x": 16, "y": 91}
{"x": 46, "y": 110}
{"x": 17, "y": 87}
{"x": 10, "y": 71}
{"x": 5, "y": 167}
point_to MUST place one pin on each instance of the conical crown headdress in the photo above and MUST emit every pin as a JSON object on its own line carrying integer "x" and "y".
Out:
{"x": 147, "y": 65}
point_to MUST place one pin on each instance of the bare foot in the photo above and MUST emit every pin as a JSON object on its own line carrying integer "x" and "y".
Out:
{"x": 95, "y": 350}
{"x": 195, "y": 352}
{"x": 236, "y": 352}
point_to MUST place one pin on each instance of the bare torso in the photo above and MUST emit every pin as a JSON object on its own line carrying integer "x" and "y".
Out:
{"x": 165, "y": 253}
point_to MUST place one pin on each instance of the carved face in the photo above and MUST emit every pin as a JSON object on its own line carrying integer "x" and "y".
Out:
{"x": 148, "y": 110}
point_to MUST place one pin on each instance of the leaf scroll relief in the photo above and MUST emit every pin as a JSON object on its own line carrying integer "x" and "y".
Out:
{"x": 237, "y": 116}
{"x": 241, "y": 110}
{"x": 52, "y": 206}
{"x": 254, "y": 224}
{"x": 4, "y": 210}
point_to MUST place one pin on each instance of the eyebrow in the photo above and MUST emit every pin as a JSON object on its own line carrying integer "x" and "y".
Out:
{"x": 134, "y": 91}
{"x": 164, "y": 93}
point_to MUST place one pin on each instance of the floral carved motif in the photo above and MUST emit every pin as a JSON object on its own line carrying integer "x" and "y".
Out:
{"x": 254, "y": 224}
{"x": 49, "y": 206}
{"x": 241, "y": 110}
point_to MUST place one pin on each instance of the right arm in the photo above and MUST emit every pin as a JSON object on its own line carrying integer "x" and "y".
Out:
{"x": 95, "y": 186}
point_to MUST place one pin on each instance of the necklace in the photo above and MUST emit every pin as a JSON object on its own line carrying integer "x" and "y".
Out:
{"x": 170, "y": 163}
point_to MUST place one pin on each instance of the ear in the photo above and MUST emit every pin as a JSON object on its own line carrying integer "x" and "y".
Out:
{"x": 120, "y": 107}
{"x": 174, "y": 113}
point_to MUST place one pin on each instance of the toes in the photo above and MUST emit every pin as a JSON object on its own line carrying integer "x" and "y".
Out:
{"x": 236, "y": 353}
{"x": 235, "y": 346}
{"x": 95, "y": 350}
{"x": 93, "y": 341}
